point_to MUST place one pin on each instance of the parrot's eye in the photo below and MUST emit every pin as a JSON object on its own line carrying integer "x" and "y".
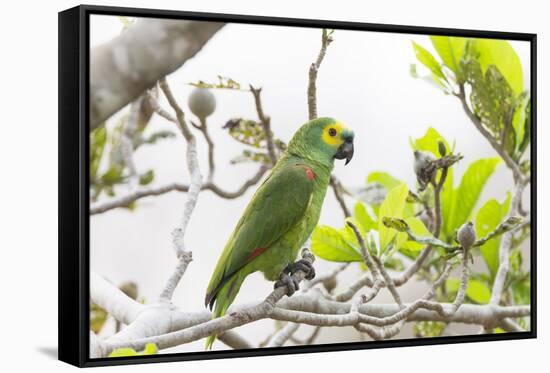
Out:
{"x": 332, "y": 132}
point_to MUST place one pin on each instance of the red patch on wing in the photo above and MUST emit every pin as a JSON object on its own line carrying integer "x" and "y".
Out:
{"x": 257, "y": 251}
{"x": 309, "y": 173}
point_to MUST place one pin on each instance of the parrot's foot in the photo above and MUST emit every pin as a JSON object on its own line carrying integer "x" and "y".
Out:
{"x": 302, "y": 265}
{"x": 291, "y": 283}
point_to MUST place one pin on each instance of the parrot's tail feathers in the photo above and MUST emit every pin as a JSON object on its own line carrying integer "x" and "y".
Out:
{"x": 210, "y": 341}
{"x": 224, "y": 297}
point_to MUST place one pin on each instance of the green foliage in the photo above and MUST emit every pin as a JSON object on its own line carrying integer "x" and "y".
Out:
{"x": 522, "y": 290}
{"x": 477, "y": 291}
{"x": 419, "y": 229}
{"x": 492, "y": 101}
{"x": 488, "y": 218}
{"x": 428, "y": 60}
{"x": 493, "y": 71}
{"x": 147, "y": 177}
{"x": 459, "y": 205}
{"x": 330, "y": 244}
{"x": 383, "y": 178}
{"x": 251, "y": 133}
{"x": 223, "y": 83}
{"x": 450, "y": 50}
{"x": 393, "y": 206}
{"x": 246, "y": 131}
{"x": 427, "y": 329}
{"x": 150, "y": 349}
{"x": 364, "y": 218}
{"x": 342, "y": 246}
{"x": 98, "y": 316}
{"x": 98, "y": 139}
{"x": 501, "y": 55}
{"x": 108, "y": 168}
{"x": 251, "y": 156}
{"x": 430, "y": 142}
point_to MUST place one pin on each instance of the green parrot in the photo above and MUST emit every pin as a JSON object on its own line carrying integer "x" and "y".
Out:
{"x": 281, "y": 215}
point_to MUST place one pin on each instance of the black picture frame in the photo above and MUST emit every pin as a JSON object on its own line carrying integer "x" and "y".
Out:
{"x": 74, "y": 218}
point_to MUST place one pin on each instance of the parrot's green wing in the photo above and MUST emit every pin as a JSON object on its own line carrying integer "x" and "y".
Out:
{"x": 278, "y": 204}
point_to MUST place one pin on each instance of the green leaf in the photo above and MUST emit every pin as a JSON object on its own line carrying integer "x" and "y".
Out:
{"x": 450, "y": 49}
{"x": 329, "y": 244}
{"x": 393, "y": 207}
{"x": 147, "y": 177}
{"x": 412, "y": 71}
{"x": 501, "y": 54}
{"x": 466, "y": 195}
{"x": 430, "y": 142}
{"x": 123, "y": 351}
{"x": 363, "y": 217}
{"x": 522, "y": 291}
{"x": 488, "y": 218}
{"x": 519, "y": 117}
{"x": 383, "y": 178}
{"x": 526, "y": 131}
{"x": 419, "y": 229}
{"x": 476, "y": 290}
{"x": 150, "y": 349}
{"x": 98, "y": 139}
{"x": 428, "y": 60}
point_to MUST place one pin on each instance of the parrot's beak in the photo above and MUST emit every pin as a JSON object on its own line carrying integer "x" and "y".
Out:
{"x": 345, "y": 151}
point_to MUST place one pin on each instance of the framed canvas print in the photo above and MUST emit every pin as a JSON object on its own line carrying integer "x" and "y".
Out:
{"x": 234, "y": 186}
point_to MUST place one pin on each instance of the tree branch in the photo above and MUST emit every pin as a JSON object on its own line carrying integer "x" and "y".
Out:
{"x": 178, "y": 234}
{"x": 313, "y": 70}
{"x": 218, "y": 325}
{"x": 123, "y": 68}
{"x": 113, "y": 300}
{"x": 505, "y": 245}
{"x": 512, "y": 165}
{"x": 283, "y": 335}
{"x": 265, "y": 122}
{"x": 337, "y": 189}
{"x": 124, "y": 201}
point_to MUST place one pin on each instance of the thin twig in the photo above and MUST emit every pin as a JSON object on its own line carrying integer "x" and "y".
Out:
{"x": 313, "y": 70}
{"x": 337, "y": 188}
{"x": 265, "y": 122}
{"x": 178, "y": 234}
{"x": 124, "y": 201}
{"x": 211, "y": 163}
{"x": 518, "y": 175}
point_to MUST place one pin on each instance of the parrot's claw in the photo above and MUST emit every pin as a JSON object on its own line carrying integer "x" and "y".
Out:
{"x": 304, "y": 266}
{"x": 289, "y": 282}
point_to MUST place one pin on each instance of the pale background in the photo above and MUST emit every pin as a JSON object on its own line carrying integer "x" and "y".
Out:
{"x": 28, "y": 149}
{"x": 363, "y": 81}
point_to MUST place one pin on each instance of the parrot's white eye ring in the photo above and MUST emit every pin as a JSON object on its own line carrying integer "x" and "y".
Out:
{"x": 332, "y": 132}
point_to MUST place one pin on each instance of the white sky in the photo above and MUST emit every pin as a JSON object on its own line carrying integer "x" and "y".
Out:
{"x": 364, "y": 81}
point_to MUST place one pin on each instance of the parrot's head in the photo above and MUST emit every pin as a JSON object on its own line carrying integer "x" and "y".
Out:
{"x": 323, "y": 140}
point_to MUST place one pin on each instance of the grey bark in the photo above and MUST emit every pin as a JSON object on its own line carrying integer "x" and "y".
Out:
{"x": 123, "y": 68}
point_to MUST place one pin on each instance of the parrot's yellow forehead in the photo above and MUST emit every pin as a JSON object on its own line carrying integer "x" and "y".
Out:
{"x": 332, "y": 134}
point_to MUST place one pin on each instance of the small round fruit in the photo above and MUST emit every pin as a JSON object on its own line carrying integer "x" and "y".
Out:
{"x": 202, "y": 102}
